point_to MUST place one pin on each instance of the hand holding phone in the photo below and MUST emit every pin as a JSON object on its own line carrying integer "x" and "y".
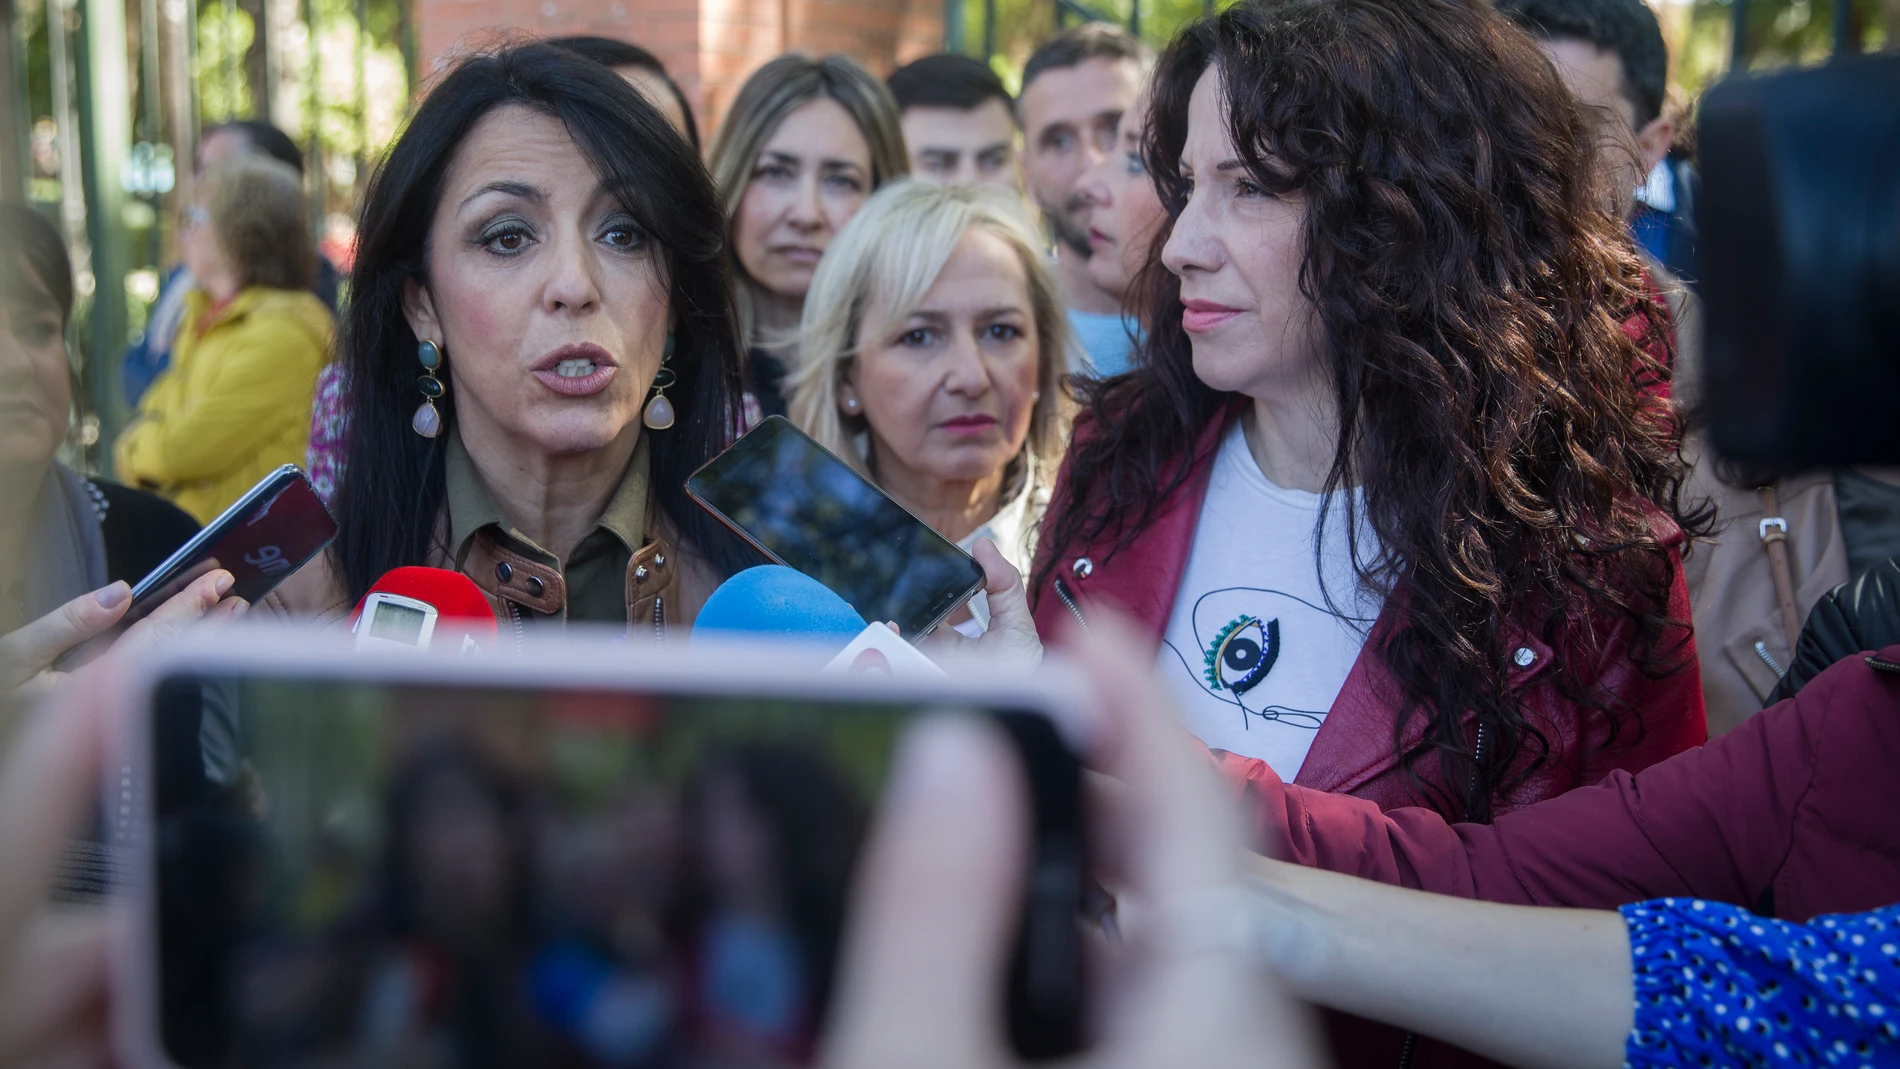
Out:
{"x": 264, "y": 537}
{"x": 44, "y": 651}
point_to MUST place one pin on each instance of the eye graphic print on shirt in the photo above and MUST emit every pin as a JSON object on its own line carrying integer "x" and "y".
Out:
{"x": 1253, "y": 649}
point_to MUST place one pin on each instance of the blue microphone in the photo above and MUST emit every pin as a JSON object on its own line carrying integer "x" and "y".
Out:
{"x": 773, "y": 601}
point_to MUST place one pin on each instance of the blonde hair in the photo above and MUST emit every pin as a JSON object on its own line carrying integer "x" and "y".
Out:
{"x": 261, "y": 222}
{"x": 882, "y": 264}
{"x": 773, "y": 92}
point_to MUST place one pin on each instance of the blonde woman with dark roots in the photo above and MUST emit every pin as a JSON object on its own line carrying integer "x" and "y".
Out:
{"x": 806, "y": 142}
{"x": 932, "y": 353}
{"x": 235, "y": 403}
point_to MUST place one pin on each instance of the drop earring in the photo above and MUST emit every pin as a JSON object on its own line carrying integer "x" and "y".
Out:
{"x": 659, "y": 411}
{"x": 427, "y": 420}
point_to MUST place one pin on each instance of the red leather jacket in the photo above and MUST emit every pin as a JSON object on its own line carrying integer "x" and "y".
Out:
{"x": 1353, "y": 751}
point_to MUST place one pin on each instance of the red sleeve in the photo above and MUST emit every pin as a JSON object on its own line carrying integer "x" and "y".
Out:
{"x": 1714, "y": 822}
{"x": 1670, "y": 710}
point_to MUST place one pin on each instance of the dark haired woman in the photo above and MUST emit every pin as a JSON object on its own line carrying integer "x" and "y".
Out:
{"x": 67, "y": 534}
{"x": 642, "y": 70}
{"x": 540, "y": 346}
{"x": 1382, "y": 489}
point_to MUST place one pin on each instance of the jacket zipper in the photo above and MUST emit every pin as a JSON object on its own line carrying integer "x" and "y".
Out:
{"x": 659, "y": 617}
{"x": 1761, "y": 650}
{"x": 514, "y": 618}
{"x": 1068, "y": 599}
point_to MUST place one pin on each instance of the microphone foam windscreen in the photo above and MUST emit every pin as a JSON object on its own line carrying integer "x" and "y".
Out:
{"x": 772, "y": 599}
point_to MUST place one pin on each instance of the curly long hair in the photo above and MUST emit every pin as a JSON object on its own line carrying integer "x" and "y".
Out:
{"x": 1469, "y": 292}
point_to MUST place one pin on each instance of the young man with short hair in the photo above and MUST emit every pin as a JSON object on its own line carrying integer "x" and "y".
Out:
{"x": 959, "y": 122}
{"x": 1612, "y": 55}
{"x": 1075, "y": 88}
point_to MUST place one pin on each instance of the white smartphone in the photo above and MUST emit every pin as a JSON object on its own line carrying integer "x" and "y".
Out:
{"x": 596, "y": 854}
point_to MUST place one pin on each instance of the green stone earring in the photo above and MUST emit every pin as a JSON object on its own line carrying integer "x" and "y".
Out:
{"x": 659, "y": 411}
{"x": 427, "y": 421}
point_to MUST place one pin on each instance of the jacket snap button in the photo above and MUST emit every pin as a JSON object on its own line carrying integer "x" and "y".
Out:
{"x": 1083, "y": 567}
{"x": 1523, "y": 656}
{"x": 503, "y": 572}
{"x": 534, "y": 585}
{"x": 659, "y": 561}
{"x": 640, "y": 572}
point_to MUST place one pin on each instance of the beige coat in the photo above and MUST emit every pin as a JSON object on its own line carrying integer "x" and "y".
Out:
{"x": 1740, "y": 636}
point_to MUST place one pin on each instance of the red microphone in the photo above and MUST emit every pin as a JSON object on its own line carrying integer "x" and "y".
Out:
{"x": 416, "y": 608}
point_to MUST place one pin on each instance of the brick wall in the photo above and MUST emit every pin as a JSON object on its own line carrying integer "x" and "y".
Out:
{"x": 708, "y": 45}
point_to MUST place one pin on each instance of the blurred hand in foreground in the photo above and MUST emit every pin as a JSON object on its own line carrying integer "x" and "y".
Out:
{"x": 52, "y": 959}
{"x": 936, "y": 902}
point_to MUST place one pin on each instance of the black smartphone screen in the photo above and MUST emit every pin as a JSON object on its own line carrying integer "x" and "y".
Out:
{"x": 811, "y": 511}
{"x": 270, "y": 532}
{"x": 376, "y": 873}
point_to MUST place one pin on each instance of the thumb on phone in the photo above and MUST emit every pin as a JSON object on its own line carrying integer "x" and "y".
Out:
{"x": 34, "y": 648}
{"x": 184, "y": 608}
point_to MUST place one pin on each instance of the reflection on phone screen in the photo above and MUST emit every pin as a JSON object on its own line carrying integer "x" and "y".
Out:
{"x": 818, "y": 515}
{"x": 395, "y": 874}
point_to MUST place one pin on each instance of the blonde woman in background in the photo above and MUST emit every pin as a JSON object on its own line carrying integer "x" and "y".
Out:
{"x": 806, "y": 141}
{"x": 933, "y": 354}
{"x": 235, "y": 402}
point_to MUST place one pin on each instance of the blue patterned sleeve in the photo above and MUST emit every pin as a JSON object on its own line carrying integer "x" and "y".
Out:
{"x": 1720, "y": 986}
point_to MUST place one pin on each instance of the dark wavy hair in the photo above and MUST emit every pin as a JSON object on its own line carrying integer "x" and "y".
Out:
{"x": 394, "y": 485}
{"x": 1469, "y": 294}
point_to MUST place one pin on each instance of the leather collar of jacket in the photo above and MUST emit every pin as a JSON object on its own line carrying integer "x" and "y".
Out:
{"x": 504, "y": 575}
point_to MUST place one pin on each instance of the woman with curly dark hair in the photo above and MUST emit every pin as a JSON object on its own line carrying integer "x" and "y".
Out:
{"x": 1390, "y": 487}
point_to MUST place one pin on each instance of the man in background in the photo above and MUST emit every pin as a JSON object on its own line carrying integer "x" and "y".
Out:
{"x": 1075, "y": 88}
{"x": 1612, "y": 56}
{"x": 959, "y": 122}
{"x": 152, "y": 352}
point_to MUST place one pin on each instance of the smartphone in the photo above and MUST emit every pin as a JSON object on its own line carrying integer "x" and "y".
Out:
{"x": 587, "y": 858}
{"x": 805, "y": 508}
{"x": 267, "y": 534}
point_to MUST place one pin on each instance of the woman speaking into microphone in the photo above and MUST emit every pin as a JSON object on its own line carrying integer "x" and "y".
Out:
{"x": 541, "y": 347}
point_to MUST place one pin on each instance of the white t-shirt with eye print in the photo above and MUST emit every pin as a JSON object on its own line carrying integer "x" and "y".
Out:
{"x": 1252, "y": 653}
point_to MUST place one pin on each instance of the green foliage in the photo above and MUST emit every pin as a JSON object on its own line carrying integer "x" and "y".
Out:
{"x": 1022, "y": 24}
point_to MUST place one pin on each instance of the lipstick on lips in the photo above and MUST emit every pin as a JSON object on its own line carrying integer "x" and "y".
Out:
{"x": 579, "y": 370}
{"x": 1198, "y": 317}
{"x": 974, "y": 423}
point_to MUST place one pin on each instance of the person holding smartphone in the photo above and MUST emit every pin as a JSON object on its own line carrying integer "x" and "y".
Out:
{"x": 934, "y": 352}
{"x": 72, "y": 533}
{"x": 540, "y": 349}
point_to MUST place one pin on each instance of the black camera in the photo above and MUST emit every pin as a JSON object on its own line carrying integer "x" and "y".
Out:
{"x": 1799, "y": 224}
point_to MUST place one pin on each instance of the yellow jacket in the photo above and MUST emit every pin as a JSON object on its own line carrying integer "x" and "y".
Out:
{"x": 235, "y": 403}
